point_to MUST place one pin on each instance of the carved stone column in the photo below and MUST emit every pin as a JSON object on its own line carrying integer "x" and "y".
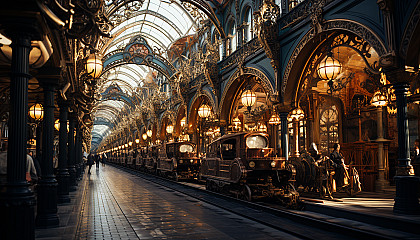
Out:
{"x": 47, "y": 186}
{"x": 295, "y": 150}
{"x": 17, "y": 201}
{"x": 407, "y": 185}
{"x": 284, "y": 135}
{"x": 63, "y": 175}
{"x": 71, "y": 154}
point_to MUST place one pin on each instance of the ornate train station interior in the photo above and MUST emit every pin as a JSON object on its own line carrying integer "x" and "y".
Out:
{"x": 210, "y": 119}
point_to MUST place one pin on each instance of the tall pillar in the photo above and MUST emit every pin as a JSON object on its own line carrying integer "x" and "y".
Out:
{"x": 406, "y": 199}
{"x": 63, "y": 175}
{"x": 295, "y": 151}
{"x": 17, "y": 201}
{"x": 381, "y": 183}
{"x": 284, "y": 135}
{"x": 78, "y": 152}
{"x": 47, "y": 186}
{"x": 71, "y": 154}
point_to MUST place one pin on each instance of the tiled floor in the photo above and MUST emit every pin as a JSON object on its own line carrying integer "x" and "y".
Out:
{"x": 119, "y": 205}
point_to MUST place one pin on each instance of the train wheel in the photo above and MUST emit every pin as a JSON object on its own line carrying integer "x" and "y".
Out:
{"x": 246, "y": 193}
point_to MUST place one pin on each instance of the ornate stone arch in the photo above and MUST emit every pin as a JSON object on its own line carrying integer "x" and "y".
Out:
{"x": 411, "y": 37}
{"x": 264, "y": 81}
{"x": 337, "y": 24}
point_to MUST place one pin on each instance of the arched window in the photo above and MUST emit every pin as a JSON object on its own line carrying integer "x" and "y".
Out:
{"x": 328, "y": 123}
{"x": 232, "y": 41}
{"x": 249, "y": 24}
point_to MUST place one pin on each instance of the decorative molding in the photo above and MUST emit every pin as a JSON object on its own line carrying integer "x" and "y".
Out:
{"x": 245, "y": 51}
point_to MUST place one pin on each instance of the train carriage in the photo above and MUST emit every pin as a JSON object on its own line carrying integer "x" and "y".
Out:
{"x": 242, "y": 164}
{"x": 150, "y": 161}
{"x": 178, "y": 160}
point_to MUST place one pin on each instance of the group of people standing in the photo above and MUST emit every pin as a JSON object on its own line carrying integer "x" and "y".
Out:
{"x": 96, "y": 158}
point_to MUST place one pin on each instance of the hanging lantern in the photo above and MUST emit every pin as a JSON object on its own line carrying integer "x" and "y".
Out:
{"x": 144, "y": 136}
{"x": 137, "y": 141}
{"x": 297, "y": 114}
{"x": 329, "y": 68}
{"x": 204, "y": 111}
{"x": 379, "y": 99}
{"x": 262, "y": 128}
{"x": 57, "y": 124}
{"x": 274, "y": 119}
{"x": 149, "y": 132}
{"x": 248, "y": 98}
{"x": 94, "y": 65}
{"x": 36, "y": 112}
{"x": 183, "y": 121}
{"x": 236, "y": 121}
{"x": 170, "y": 129}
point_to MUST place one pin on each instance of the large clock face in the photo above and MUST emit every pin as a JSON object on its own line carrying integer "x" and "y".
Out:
{"x": 138, "y": 49}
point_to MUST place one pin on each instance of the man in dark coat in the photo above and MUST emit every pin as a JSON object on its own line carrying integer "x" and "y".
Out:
{"x": 90, "y": 162}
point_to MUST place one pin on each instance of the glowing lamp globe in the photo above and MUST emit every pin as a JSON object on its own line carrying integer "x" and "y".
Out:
{"x": 379, "y": 99}
{"x": 149, "y": 133}
{"x": 144, "y": 136}
{"x": 297, "y": 114}
{"x": 130, "y": 144}
{"x": 236, "y": 121}
{"x": 36, "y": 112}
{"x": 57, "y": 124}
{"x": 170, "y": 129}
{"x": 137, "y": 141}
{"x": 204, "y": 111}
{"x": 248, "y": 98}
{"x": 262, "y": 127}
{"x": 329, "y": 68}
{"x": 94, "y": 66}
{"x": 274, "y": 119}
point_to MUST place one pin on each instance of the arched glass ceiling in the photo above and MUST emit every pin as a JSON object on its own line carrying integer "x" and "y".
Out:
{"x": 128, "y": 77}
{"x": 161, "y": 23}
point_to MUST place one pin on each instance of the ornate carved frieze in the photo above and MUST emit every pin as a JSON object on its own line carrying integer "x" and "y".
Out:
{"x": 247, "y": 49}
{"x": 267, "y": 29}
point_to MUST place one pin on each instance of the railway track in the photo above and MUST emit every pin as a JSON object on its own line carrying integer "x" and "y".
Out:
{"x": 299, "y": 225}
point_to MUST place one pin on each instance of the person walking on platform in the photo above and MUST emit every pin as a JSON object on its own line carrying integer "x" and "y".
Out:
{"x": 97, "y": 160}
{"x": 90, "y": 162}
{"x": 104, "y": 159}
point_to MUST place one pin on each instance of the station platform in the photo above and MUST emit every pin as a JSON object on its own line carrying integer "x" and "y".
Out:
{"x": 113, "y": 204}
